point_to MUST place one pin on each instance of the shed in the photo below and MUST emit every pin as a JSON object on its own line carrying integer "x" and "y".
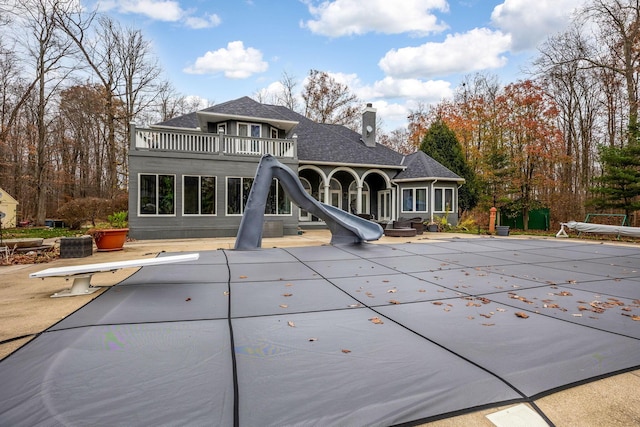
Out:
{"x": 8, "y": 206}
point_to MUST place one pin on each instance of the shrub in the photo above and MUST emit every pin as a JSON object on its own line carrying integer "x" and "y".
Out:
{"x": 78, "y": 211}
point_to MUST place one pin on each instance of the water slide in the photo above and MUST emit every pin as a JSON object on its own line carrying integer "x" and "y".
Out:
{"x": 345, "y": 227}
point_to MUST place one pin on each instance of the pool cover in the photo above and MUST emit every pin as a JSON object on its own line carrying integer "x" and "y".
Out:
{"x": 362, "y": 335}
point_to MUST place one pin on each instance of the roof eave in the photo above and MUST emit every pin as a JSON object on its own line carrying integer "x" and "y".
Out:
{"x": 430, "y": 178}
{"x": 360, "y": 165}
{"x": 209, "y": 116}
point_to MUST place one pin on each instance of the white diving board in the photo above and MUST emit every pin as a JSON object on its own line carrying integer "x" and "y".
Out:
{"x": 82, "y": 273}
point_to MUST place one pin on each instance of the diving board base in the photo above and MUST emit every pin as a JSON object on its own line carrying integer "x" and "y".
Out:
{"x": 81, "y": 286}
{"x": 82, "y": 274}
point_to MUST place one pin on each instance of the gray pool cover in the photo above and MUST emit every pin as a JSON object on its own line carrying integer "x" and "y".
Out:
{"x": 365, "y": 335}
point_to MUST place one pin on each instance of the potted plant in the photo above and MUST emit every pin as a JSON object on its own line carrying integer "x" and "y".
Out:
{"x": 111, "y": 238}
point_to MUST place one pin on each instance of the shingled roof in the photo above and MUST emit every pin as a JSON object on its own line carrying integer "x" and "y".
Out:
{"x": 419, "y": 165}
{"x": 326, "y": 143}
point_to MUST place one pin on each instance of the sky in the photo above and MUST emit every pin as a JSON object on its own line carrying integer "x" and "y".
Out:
{"x": 395, "y": 54}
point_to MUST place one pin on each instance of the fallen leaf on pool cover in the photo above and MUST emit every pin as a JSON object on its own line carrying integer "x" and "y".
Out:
{"x": 422, "y": 290}
{"x": 565, "y": 294}
{"x": 313, "y": 339}
{"x": 484, "y": 300}
{"x": 376, "y": 320}
{"x": 393, "y": 301}
{"x": 243, "y": 277}
{"x": 392, "y": 291}
{"x": 283, "y": 306}
{"x": 188, "y": 299}
{"x": 437, "y": 303}
{"x": 290, "y": 323}
{"x": 287, "y": 295}
{"x": 522, "y": 315}
{"x": 345, "y": 351}
{"x": 488, "y": 324}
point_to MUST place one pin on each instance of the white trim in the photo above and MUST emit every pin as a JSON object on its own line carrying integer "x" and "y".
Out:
{"x": 215, "y": 198}
{"x": 351, "y": 165}
{"x": 431, "y": 178}
{"x": 157, "y": 197}
{"x": 414, "y": 199}
{"x": 226, "y": 195}
{"x": 207, "y": 116}
{"x": 453, "y": 200}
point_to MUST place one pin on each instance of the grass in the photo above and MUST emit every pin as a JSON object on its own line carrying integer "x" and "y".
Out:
{"x": 40, "y": 232}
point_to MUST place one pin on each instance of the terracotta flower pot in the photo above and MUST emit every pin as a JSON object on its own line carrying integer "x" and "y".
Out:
{"x": 111, "y": 239}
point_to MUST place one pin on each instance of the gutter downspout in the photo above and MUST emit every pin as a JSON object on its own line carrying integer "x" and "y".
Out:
{"x": 433, "y": 195}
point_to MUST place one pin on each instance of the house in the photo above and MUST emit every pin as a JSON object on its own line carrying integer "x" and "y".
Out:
{"x": 190, "y": 176}
{"x": 8, "y": 208}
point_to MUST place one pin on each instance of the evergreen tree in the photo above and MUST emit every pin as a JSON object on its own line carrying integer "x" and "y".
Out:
{"x": 442, "y": 145}
{"x": 620, "y": 180}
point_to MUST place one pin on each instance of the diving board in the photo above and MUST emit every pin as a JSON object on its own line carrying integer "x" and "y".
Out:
{"x": 82, "y": 273}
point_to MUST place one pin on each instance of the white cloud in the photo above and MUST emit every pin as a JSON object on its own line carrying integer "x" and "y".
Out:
{"x": 354, "y": 17}
{"x": 235, "y": 61}
{"x": 162, "y": 10}
{"x": 207, "y": 21}
{"x": 478, "y": 49}
{"x": 531, "y": 22}
{"x": 430, "y": 91}
{"x": 393, "y": 115}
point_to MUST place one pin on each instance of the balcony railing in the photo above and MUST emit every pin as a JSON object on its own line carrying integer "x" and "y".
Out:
{"x": 210, "y": 143}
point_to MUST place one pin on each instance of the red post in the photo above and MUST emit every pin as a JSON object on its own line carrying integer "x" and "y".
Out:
{"x": 492, "y": 219}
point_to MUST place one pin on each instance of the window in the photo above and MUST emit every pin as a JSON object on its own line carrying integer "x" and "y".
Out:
{"x": 278, "y": 202}
{"x": 414, "y": 200}
{"x": 443, "y": 200}
{"x": 199, "y": 195}
{"x": 274, "y": 133}
{"x": 249, "y": 146}
{"x": 156, "y": 196}
{"x": 222, "y": 128}
{"x": 237, "y": 194}
{"x": 384, "y": 205}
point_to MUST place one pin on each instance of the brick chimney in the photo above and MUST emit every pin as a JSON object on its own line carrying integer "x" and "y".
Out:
{"x": 369, "y": 126}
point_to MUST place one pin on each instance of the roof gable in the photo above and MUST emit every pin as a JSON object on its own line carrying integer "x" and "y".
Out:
{"x": 6, "y": 198}
{"x": 420, "y": 165}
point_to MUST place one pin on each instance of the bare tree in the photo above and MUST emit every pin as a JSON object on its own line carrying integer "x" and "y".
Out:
{"x": 615, "y": 48}
{"x": 329, "y": 101}
{"x": 577, "y": 92}
{"x": 398, "y": 140}
{"x": 45, "y": 49}
{"x": 287, "y": 97}
{"x": 120, "y": 59}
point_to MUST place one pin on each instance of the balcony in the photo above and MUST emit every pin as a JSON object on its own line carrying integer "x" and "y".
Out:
{"x": 163, "y": 140}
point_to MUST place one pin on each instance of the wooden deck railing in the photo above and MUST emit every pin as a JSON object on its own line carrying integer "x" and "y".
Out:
{"x": 210, "y": 143}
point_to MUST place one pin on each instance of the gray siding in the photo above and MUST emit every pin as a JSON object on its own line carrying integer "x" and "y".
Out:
{"x": 179, "y": 225}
